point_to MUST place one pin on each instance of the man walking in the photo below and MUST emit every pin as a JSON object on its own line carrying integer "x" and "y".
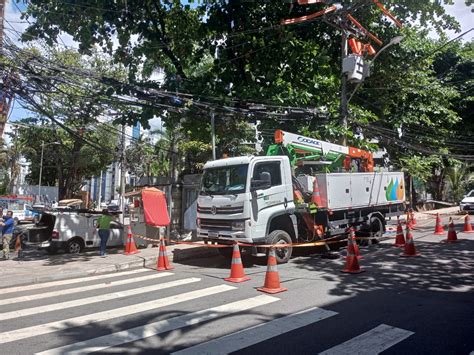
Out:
{"x": 7, "y": 231}
{"x": 103, "y": 224}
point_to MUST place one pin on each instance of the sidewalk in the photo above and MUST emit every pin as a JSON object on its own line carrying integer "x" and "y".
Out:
{"x": 38, "y": 267}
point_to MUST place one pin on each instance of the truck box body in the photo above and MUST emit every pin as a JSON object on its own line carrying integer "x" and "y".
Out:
{"x": 356, "y": 190}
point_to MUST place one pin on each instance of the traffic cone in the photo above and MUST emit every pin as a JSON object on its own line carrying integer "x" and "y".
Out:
{"x": 237, "y": 273}
{"x": 439, "y": 230}
{"x": 352, "y": 262}
{"x": 467, "y": 224}
{"x": 354, "y": 244}
{"x": 316, "y": 196}
{"x": 410, "y": 249}
{"x": 130, "y": 247}
{"x": 163, "y": 262}
{"x": 452, "y": 235}
{"x": 272, "y": 278}
{"x": 400, "y": 238}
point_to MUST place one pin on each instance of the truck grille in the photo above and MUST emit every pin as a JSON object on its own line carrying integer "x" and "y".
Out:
{"x": 221, "y": 210}
{"x": 220, "y": 224}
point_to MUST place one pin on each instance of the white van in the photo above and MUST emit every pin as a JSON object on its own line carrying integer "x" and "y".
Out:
{"x": 74, "y": 231}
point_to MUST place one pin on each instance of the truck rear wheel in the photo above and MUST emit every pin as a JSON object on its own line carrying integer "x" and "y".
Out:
{"x": 376, "y": 229}
{"x": 278, "y": 236}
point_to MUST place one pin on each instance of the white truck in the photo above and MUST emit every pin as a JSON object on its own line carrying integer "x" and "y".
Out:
{"x": 289, "y": 196}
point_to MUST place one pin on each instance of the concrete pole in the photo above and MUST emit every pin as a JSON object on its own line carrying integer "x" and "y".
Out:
{"x": 213, "y": 136}
{"x": 41, "y": 172}
{"x": 344, "y": 102}
{"x": 99, "y": 195}
{"x": 122, "y": 175}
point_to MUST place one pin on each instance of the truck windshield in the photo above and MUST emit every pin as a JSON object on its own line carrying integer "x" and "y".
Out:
{"x": 224, "y": 180}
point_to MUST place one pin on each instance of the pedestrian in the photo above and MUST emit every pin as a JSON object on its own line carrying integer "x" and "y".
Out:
{"x": 7, "y": 231}
{"x": 103, "y": 225}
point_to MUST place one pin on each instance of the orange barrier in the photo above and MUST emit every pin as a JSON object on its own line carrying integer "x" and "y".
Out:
{"x": 130, "y": 247}
{"x": 467, "y": 224}
{"x": 399, "y": 238}
{"x": 452, "y": 235}
{"x": 237, "y": 273}
{"x": 410, "y": 249}
{"x": 272, "y": 278}
{"x": 352, "y": 262}
{"x": 163, "y": 263}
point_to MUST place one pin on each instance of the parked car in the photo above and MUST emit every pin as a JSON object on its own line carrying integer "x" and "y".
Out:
{"x": 71, "y": 231}
{"x": 467, "y": 203}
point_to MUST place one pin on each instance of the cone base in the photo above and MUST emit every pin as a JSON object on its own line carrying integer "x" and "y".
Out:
{"x": 467, "y": 232}
{"x": 348, "y": 271}
{"x": 439, "y": 233}
{"x": 450, "y": 241}
{"x": 399, "y": 245}
{"x": 357, "y": 256}
{"x": 237, "y": 279}
{"x": 164, "y": 268}
{"x": 131, "y": 252}
{"x": 272, "y": 290}
{"x": 408, "y": 255}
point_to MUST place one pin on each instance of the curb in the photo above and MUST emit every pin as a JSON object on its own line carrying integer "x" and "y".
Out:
{"x": 144, "y": 262}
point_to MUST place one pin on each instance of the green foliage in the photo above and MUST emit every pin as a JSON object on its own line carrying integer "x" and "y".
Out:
{"x": 459, "y": 177}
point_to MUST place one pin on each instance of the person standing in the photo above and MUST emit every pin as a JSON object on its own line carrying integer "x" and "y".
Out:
{"x": 7, "y": 231}
{"x": 103, "y": 224}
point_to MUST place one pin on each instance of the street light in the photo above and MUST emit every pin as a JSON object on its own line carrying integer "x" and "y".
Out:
{"x": 41, "y": 165}
{"x": 394, "y": 40}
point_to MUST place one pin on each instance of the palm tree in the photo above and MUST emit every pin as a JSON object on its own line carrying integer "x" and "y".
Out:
{"x": 459, "y": 176}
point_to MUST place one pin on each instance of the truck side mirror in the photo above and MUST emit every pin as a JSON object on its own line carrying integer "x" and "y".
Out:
{"x": 264, "y": 182}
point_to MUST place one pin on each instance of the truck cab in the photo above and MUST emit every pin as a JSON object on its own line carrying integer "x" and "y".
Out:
{"x": 248, "y": 200}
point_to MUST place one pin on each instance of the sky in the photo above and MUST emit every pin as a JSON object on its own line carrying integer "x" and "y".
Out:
{"x": 14, "y": 26}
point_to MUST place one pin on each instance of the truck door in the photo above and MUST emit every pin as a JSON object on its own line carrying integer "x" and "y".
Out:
{"x": 273, "y": 196}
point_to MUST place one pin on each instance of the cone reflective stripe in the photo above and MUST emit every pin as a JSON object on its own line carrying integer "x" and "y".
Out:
{"x": 439, "y": 230}
{"x": 410, "y": 249}
{"x": 400, "y": 238}
{"x": 272, "y": 278}
{"x": 237, "y": 273}
{"x": 352, "y": 262}
{"x": 412, "y": 218}
{"x": 316, "y": 196}
{"x": 452, "y": 235}
{"x": 467, "y": 224}
{"x": 130, "y": 247}
{"x": 163, "y": 262}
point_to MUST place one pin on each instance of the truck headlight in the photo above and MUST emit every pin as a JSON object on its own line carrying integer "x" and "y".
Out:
{"x": 238, "y": 226}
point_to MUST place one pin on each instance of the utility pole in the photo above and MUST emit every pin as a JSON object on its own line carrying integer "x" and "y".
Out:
{"x": 213, "y": 136}
{"x": 344, "y": 103}
{"x": 99, "y": 195}
{"x": 122, "y": 174}
{"x": 41, "y": 172}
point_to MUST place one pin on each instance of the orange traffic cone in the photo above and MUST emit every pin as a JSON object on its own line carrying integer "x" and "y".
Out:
{"x": 316, "y": 196}
{"x": 237, "y": 273}
{"x": 272, "y": 278}
{"x": 130, "y": 247}
{"x": 408, "y": 220}
{"x": 352, "y": 262}
{"x": 410, "y": 249}
{"x": 354, "y": 244}
{"x": 163, "y": 262}
{"x": 452, "y": 235}
{"x": 400, "y": 238}
{"x": 467, "y": 224}
{"x": 439, "y": 230}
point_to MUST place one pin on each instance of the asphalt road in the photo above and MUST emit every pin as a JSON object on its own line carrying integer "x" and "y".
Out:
{"x": 399, "y": 305}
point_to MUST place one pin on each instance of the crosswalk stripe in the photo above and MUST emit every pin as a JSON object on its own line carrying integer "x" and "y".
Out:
{"x": 83, "y": 289}
{"x": 137, "y": 333}
{"x": 88, "y": 319}
{"x": 259, "y": 333}
{"x": 372, "y": 342}
{"x": 95, "y": 299}
{"x": 79, "y": 280}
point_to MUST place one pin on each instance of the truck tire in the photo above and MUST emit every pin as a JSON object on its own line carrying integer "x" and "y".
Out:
{"x": 278, "y": 236}
{"x": 75, "y": 246}
{"x": 226, "y": 252}
{"x": 376, "y": 228}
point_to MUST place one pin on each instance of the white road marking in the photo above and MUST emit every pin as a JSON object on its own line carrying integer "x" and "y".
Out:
{"x": 79, "y": 280}
{"x": 372, "y": 342}
{"x": 137, "y": 333}
{"x": 259, "y": 333}
{"x": 95, "y": 299}
{"x": 88, "y": 319}
{"x": 69, "y": 291}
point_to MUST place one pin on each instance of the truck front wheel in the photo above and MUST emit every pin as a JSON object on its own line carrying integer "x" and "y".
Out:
{"x": 283, "y": 255}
